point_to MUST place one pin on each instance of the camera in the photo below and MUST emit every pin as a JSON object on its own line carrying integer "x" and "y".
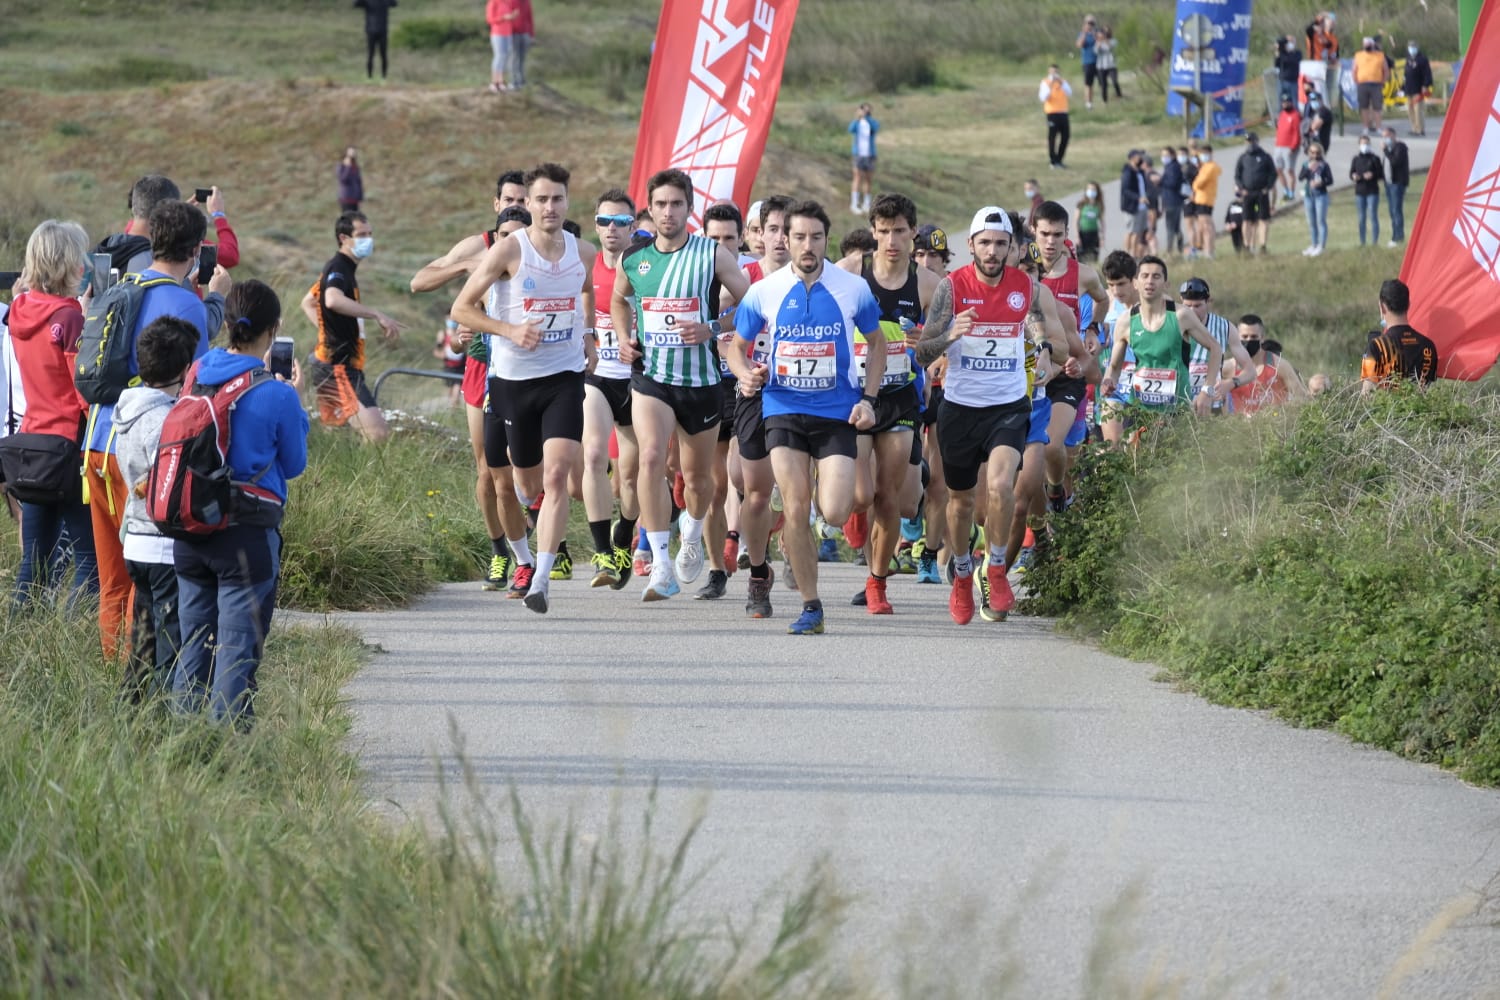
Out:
{"x": 208, "y": 260}
{"x": 282, "y": 351}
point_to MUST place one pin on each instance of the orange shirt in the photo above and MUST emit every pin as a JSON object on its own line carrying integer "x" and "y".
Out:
{"x": 1056, "y": 101}
{"x": 1206, "y": 184}
{"x": 1370, "y": 67}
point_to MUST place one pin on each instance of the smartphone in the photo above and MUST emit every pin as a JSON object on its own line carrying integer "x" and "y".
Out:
{"x": 103, "y": 273}
{"x": 283, "y": 350}
{"x": 208, "y": 259}
{"x": 202, "y": 195}
{"x": 8, "y": 280}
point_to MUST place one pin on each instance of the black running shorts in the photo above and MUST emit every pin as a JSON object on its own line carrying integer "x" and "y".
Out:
{"x": 616, "y": 392}
{"x": 537, "y": 410}
{"x": 818, "y": 437}
{"x": 968, "y": 434}
{"x": 696, "y": 408}
{"x": 750, "y": 429}
{"x": 897, "y": 410}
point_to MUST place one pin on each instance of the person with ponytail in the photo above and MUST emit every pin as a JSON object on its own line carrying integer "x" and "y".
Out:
{"x": 227, "y": 580}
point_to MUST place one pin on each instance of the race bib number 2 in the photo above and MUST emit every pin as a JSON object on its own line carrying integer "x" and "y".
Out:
{"x": 662, "y": 320}
{"x": 807, "y": 367}
{"x": 557, "y": 316}
{"x": 991, "y": 347}
{"x": 1155, "y": 386}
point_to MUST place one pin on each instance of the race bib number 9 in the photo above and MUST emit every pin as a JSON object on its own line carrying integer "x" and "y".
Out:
{"x": 897, "y": 363}
{"x": 557, "y": 316}
{"x": 806, "y": 367}
{"x": 991, "y": 347}
{"x": 609, "y": 341}
{"x": 1155, "y": 386}
{"x": 662, "y": 320}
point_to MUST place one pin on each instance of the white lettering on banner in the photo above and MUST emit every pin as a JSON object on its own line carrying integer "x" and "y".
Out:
{"x": 1241, "y": 22}
{"x": 1239, "y": 57}
{"x": 1183, "y": 64}
{"x": 1477, "y": 225}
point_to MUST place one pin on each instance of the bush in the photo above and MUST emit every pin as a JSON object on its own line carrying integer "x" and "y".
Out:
{"x": 430, "y": 33}
{"x": 131, "y": 71}
{"x": 1335, "y": 563}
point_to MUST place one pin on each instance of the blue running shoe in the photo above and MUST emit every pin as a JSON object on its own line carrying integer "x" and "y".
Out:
{"x": 807, "y": 623}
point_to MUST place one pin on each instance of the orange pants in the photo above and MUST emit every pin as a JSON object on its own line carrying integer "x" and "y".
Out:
{"x": 107, "y": 494}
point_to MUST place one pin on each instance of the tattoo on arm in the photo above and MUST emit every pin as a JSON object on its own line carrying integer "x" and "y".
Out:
{"x": 939, "y": 318}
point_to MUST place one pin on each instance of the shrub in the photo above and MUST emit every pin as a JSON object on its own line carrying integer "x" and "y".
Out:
{"x": 429, "y": 33}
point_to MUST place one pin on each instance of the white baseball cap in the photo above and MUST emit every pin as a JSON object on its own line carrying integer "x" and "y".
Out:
{"x": 991, "y": 218}
{"x": 754, "y": 211}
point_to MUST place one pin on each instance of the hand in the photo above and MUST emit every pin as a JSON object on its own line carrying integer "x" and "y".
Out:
{"x": 526, "y": 335}
{"x": 1108, "y": 385}
{"x": 590, "y": 356}
{"x": 913, "y": 338}
{"x": 389, "y": 327}
{"x": 693, "y": 334}
{"x": 1072, "y": 368}
{"x": 862, "y": 416}
{"x": 461, "y": 338}
{"x": 296, "y": 380}
{"x": 752, "y": 383}
{"x": 630, "y": 351}
{"x": 221, "y": 282}
{"x": 1201, "y": 404}
{"x": 215, "y": 201}
{"x": 963, "y": 323}
{"x": 938, "y": 370}
{"x": 1091, "y": 346}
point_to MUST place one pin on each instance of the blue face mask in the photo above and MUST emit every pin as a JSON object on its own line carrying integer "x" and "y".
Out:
{"x": 1411, "y": 50}
{"x": 363, "y": 247}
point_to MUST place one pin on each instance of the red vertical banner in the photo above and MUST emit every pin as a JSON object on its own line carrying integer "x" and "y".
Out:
{"x": 1452, "y": 264}
{"x": 715, "y": 75}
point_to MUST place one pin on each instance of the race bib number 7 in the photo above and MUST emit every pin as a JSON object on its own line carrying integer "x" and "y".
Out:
{"x": 806, "y": 367}
{"x": 557, "y": 316}
{"x": 992, "y": 347}
{"x": 662, "y": 320}
{"x": 1155, "y": 386}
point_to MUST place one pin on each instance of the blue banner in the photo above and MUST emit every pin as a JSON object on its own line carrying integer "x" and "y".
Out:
{"x": 1224, "y": 61}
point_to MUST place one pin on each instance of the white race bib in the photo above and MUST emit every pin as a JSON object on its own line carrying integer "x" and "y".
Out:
{"x": 1197, "y": 375}
{"x": 1155, "y": 386}
{"x": 806, "y": 366}
{"x": 992, "y": 347}
{"x": 662, "y": 320}
{"x": 897, "y": 363}
{"x": 557, "y": 316}
{"x": 609, "y": 341}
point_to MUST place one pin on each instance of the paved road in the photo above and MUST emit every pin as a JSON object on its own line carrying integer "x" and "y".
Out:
{"x": 955, "y": 777}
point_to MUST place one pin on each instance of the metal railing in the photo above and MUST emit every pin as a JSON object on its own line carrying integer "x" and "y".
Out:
{"x": 453, "y": 378}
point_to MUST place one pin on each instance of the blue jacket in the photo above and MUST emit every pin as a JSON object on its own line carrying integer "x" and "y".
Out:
{"x": 1171, "y": 185}
{"x": 268, "y": 428}
{"x": 854, "y": 133}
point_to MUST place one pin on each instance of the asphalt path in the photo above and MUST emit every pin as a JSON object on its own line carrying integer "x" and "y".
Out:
{"x": 986, "y": 795}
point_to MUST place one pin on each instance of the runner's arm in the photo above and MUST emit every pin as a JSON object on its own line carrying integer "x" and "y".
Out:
{"x": 586, "y": 308}
{"x": 497, "y": 261}
{"x": 1296, "y": 389}
{"x": 457, "y": 262}
{"x": 732, "y": 280}
{"x": 623, "y": 315}
{"x": 935, "y": 339}
{"x": 1089, "y": 281}
{"x": 1121, "y": 339}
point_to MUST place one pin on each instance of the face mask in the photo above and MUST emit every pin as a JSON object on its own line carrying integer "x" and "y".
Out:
{"x": 1031, "y": 192}
{"x": 363, "y": 247}
{"x": 1411, "y": 50}
{"x": 1389, "y": 143}
{"x": 1182, "y": 160}
{"x": 1093, "y": 192}
{"x": 1252, "y": 347}
{"x": 1364, "y": 147}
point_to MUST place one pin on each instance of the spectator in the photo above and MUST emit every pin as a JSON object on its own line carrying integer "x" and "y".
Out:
{"x": 1171, "y": 199}
{"x": 227, "y": 581}
{"x": 333, "y": 306}
{"x": 1135, "y": 202}
{"x": 1153, "y": 201}
{"x": 1254, "y": 178}
{"x": 1105, "y": 60}
{"x": 1317, "y": 180}
{"x": 1288, "y": 63}
{"x": 164, "y": 354}
{"x": 377, "y": 31}
{"x": 1396, "y": 351}
{"x": 1366, "y": 171}
{"x": 511, "y": 32}
{"x": 177, "y": 231}
{"x": 45, "y": 323}
{"x": 450, "y": 350}
{"x": 1288, "y": 144}
{"x": 1188, "y": 162}
{"x": 1206, "y": 199}
{"x": 1090, "y": 223}
{"x": 1034, "y": 199}
{"x": 1054, "y": 93}
{"x": 1370, "y": 74}
{"x": 351, "y": 182}
{"x": 1397, "y": 178}
{"x": 862, "y": 150}
{"x": 1322, "y": 43}
{"x": 14, "y": 401}
{"x": 1087, "y": 46}
{"x": 1234, "y": 223}
{"x": 1417, "y": 86}
{"x": 130, "y": 251}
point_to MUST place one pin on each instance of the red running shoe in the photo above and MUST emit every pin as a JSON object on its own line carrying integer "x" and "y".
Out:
{"x": 875, "y": 599}
{"x": 857, "y": 530}
{"x": 961, "y": 601}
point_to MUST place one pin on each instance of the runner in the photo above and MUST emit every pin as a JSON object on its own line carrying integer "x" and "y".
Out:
{"x": 606, "y": 407}
{"x": 675, "y": 281}
{"x": 930, "y": 249}
{"x": 1119, "y": 279}
{"x": 1271, "y": 380}
{"x": 977, "y": 318}
{"x": 903, "y": 291}
{"x": 1157, "y": 332}
{"x": 464, "y": 256}
{"x": 540, "y": 282}
{"x": 1067, "y": 280}
{"x": 814, "y": 400}
{"x": 1195, "y": 294}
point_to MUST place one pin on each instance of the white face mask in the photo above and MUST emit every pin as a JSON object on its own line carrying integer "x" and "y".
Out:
{"x": 1364, "y": 147}
{"x": 1411, "y": 50}
{"x": 363, "y": 247}
{"x": 1093, "y": 192}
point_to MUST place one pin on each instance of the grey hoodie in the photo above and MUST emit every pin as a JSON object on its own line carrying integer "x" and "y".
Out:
{"x": 138, "y": 419}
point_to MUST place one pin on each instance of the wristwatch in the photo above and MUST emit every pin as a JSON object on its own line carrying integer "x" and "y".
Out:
{"x": 715, "y": 327}
{"x": 872, "y": 400}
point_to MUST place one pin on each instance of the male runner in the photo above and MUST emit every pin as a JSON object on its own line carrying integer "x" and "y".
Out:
{"x": 1196, "y": 296}
{"x": 606, "y": 406}
{"x": 675, "y": 281}
{"x": 903, "y": 291}
{"x": 1119, "y": 270}
{"x": 930, "y": 250}
{"x": 539, "y": 352}
{"x": 463, "y": 256}
{"x": 978, "y": 319}
{"x": 1067, "y": 279}
{"x": 814, "y": 400}
{"x": 1155, "y": 330}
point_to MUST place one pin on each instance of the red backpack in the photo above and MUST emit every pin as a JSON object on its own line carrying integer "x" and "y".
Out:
{"x": 189, "y": 493}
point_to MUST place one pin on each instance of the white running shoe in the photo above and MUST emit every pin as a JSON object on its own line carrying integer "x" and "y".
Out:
{"x": 689, "y": 560}
{"x": 663, "y": 582}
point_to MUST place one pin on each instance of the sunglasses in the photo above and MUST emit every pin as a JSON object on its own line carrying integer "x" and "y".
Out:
{"x": 614, "y": 220}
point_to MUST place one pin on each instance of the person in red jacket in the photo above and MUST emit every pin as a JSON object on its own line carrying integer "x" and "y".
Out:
{"x": 45, "y": 324}
{"x": 511, "y": 31}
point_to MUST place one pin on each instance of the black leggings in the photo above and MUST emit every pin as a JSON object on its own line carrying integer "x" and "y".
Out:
{"x": 373, "y": 39}
{"x": 1057, "y": 137}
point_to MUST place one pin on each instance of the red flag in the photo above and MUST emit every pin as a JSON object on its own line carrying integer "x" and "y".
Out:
{"x": 1453, "y": 261}
{"x": 714, "y": 78}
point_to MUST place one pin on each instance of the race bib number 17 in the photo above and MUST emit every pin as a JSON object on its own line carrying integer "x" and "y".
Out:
{"x": 805, "y": 366}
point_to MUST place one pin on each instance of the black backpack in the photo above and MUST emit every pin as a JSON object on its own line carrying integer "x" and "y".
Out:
{"x": 103, "y": 367}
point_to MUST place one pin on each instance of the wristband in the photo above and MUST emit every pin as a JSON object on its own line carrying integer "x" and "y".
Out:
{"x": 216, "y": 215}
{"x": 872, "y": 400}
{"x": 589, "y": 331}
{"x": 1045, "y": 345}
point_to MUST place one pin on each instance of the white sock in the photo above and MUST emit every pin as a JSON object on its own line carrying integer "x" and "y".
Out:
{"x": 692, "y": 529}
{"x": 544, "y": 561}
{"x": 659, "y": 541}
{"x": 522, "y": 550}
{"x": 997, "y": 555}
{"x": 963, "y": 565}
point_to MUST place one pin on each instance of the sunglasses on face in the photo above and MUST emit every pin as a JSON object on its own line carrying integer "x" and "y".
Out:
{"x": 614, "y": 220}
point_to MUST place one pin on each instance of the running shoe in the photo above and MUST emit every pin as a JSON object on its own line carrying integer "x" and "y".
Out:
{"x": 927, "y": 571}
{"x": 606, "y": 570}
{"x": 875, "y": 599}
{"x": 982, "y": 578}
{"x": 860, "y": 600}
{"x": 857, "y": 530}
{"x": 731, "y": 555}
{"x": 758, "y": 602}
{"x": 522, "y": 582}
{"x": 499, "y": 573}
{"x": 807, "y": 623}
{"x": 536, "y": 600}
{"x": 744, "y": 560}
{"x": 663, "y": 583}
{"x": 828, "y": 550}
{"x": 905, "y": 562}
{"x": 689, "y": 560}
{"x": 622, "y": 568}
{"x": 714, "y": 588}
{"x": 641, "y": 564}
{"x": 1023, "y": 560}
{"x": 786, "y": 570}
{"x": 562, "y": 568}
{"x": 961, "y": 601}
{"x": 1000, "y": 597}
{"x": 826, "y": 530}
